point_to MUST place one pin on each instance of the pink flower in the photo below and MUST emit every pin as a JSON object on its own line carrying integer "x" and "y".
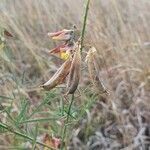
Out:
{"x": 63, "y": 35}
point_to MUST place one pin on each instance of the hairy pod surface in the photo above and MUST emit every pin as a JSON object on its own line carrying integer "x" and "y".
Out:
{"x": 74, "y": 74}
{"x": 59, "y": 76}
{"x": 94, "y": 70}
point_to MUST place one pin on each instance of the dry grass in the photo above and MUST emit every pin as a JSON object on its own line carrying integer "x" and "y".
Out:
{"x": 119, "y": 29}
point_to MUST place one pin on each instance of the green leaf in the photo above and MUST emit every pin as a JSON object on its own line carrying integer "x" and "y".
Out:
{"x": 23, "y": 111}
{"x": 1, "y": 46}
{"x": 3, "y": 53}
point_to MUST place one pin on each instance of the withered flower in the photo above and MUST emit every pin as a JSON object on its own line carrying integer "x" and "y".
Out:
{"x": 63, "y": 35}
{"x": 53, "y": 142}
{"x": 7, "y": 33}
{"x": 64, "y": 50}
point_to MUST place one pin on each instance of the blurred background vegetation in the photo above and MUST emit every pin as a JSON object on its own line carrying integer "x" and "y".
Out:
{"x": 120, "y": 31}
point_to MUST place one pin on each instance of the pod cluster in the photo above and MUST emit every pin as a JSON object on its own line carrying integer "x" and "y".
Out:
{"x": 70, "y": 69}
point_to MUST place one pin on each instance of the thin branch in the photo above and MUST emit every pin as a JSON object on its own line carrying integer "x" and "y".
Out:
{"x": 38, "y": 120}
{"x": 68, "y": 114}
{"x": 72, "y": 98}
{"x": 84, "y": 23}
{"x": 6, "y": 127}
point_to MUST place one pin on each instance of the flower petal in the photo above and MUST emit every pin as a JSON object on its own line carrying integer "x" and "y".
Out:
{"x": 63, "y": 35}
{"x": 57, "y": 49}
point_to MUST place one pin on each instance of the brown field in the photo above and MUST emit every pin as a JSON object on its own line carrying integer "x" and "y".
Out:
{"x": 120, "y": 31}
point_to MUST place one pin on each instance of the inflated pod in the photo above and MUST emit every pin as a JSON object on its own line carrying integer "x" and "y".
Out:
{"x": 74, "y": 74}
{"x": 59, "y": 76}
{"x": 94, "y": 70}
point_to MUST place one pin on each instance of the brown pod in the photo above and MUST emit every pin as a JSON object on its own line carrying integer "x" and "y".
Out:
{"x": 94, "y": 70}
{"x": 74, "y": 74}
{"x": 59, "y": 76}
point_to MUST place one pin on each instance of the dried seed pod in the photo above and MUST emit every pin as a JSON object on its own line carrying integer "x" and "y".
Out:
{"x": 74, "y": 74}
{"x": 94, "y": 70}
{"x": 59, "y": 76}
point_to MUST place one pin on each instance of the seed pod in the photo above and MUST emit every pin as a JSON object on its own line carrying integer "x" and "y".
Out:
{"x": 74, "y": 74}
{"x": 59, "y": 76}
{"x": 94, "y": 70}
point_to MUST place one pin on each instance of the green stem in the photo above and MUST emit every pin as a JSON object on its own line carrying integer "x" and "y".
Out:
{"x": 84, "y": 23}
{"x": 38, "y": 120}
{"x": 67, "y": 120}
{"x": 72, "y": 98}
{"x": 6, "y": 127}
